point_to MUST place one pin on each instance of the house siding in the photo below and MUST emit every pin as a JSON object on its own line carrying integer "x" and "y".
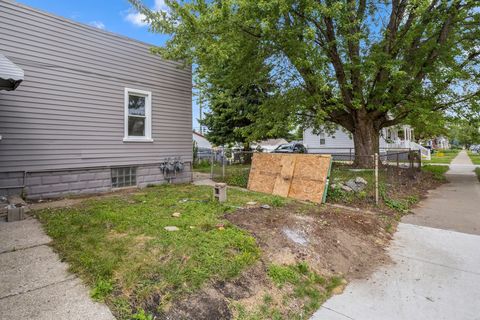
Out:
{"x": 338, "y": 142}
{"x": 68, "y": 113}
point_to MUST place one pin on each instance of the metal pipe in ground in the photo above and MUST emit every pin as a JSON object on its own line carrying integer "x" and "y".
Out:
{"x": 223, "y": 164}
{"x": 211, "y": 164}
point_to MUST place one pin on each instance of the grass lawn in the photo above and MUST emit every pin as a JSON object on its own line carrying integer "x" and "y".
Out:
{"x": 118, "y": 244}
{"x": 477, "y": 171}
{"x": 475, "y": 157}
{"x": 437, "y": 171}
{"x": 442, "y": 156}
{"x": 235, "y": 174}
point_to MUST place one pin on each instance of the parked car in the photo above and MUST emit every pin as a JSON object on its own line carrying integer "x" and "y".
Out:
{"x": 475, "y": 148}
{"x": 290, "y": 148}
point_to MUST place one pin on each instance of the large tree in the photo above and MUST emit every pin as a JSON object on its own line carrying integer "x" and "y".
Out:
{"x": 361, "y": 64}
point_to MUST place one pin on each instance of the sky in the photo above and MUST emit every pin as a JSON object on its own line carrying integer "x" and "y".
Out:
{"x": 117, "y": 16}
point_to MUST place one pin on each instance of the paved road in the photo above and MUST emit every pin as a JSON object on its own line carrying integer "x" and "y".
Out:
{"x": 436, "y": 254}
{"x": 35, "y": 284}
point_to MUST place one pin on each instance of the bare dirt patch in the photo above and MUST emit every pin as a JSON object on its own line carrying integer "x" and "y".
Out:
{"x": 332, "y": 241}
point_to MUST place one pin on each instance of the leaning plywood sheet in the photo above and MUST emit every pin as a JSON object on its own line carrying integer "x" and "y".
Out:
{"x": 298, "y": 176}
{"x": 264, "y": 172}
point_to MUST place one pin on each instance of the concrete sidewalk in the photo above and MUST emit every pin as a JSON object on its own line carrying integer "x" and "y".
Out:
{"x": 455, "y": 205}
{"x": 436, "y": 272}
{"x": 34, "y": 283}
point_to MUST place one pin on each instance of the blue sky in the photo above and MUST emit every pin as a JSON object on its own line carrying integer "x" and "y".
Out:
{"x": 116, "y": 16}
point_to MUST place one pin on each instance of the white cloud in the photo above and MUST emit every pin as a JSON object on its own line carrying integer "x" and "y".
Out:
{"x": 138, "y": 19}
{"x": 97, "y": 24}
{"x": 160, "y": 5}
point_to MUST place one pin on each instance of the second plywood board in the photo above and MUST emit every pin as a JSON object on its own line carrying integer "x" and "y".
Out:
{"x": 298, "y": 176}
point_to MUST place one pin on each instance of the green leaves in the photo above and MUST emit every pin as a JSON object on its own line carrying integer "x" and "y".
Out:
{"x": 329, "y": 59}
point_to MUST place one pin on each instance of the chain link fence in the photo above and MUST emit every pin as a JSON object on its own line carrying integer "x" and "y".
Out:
{"x": 387, "y": 172}
{"x": 391, "y": 171}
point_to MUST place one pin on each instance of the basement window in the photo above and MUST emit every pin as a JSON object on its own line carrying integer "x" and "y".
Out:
{"x": 124, "y": 177}
{"x": 138, "y": 116}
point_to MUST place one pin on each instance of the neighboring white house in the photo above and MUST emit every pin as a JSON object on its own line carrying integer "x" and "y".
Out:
{"x": 268, "y": 145}
{"x": 440, "y": 142}
{"x": 396, "y": 137}
{"x": 201, "y": 141}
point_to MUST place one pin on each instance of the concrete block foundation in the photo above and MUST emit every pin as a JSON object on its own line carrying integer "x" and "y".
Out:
{"x": 63, "y": 183}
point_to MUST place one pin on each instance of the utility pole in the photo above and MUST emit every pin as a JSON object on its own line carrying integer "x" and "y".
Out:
{"x": 200, "y": 109}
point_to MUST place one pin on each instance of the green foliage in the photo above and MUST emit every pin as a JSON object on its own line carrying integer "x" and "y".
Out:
{"x": 101, "y": 289}
{"x": 438, "y": 171}
{"x": 141, "y": 315}
{"x": 120, "y": 242}
{"x": 475, "y": 157}
{"x": 235, "y": 174}
{"x": 400, "y": 205}
{"x": 465, "y": 132}
{"x": 336, "y": 61}
{"x": 281, "y": 275}
{"x": 202, "y": 164}
{"x": 477, "y": 171}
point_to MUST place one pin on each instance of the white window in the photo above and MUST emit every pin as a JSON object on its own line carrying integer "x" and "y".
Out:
{"x": 322, "y": 138}
{"x": 138, "y": 116}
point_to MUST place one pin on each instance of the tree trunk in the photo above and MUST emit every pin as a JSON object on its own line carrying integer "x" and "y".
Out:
{"x": 366, "y": 140}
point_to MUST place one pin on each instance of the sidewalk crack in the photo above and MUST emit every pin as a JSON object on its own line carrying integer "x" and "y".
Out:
{"x": 70, "y": 278}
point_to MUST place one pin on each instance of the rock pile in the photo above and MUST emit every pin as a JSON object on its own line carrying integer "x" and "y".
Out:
{"x": 352, "y": 185}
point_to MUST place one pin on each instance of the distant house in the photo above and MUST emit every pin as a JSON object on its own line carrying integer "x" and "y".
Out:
{"x": 268, "y": 145}
{"x": 200, "y": 141}
{"x": 341, "y": 142}
{"x": 439, "y": 142}
{"x": 204, "y": 147}
{"x": 95, "y": 111}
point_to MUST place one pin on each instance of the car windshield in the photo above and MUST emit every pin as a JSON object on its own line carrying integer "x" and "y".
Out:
{"x": 285, "y": 147}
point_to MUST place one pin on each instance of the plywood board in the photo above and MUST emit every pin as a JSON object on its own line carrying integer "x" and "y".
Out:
{"x": 298, "y": 176}
{"x": 284, "y": 179}
{"x": 263, "y": 172}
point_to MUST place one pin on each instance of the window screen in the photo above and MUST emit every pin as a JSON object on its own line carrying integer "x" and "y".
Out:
{"x": 136, "y": 115}
{"x": 124, "y": 177}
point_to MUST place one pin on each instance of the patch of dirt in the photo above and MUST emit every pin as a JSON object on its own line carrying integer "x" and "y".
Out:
{"x": 206, "y": 304}
{"x": 337, "y": 241}
{"x": 333, "y": 242}
{"x": 213, "y": 302}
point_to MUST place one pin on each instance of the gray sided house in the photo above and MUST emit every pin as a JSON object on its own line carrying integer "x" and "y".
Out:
{"x": 95, "y": 111}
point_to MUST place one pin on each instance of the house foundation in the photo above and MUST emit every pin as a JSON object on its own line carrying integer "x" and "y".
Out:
{"x": 63, "y": 183}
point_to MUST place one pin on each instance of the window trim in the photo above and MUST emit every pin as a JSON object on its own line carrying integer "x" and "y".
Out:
{"x": 148, "y": 116}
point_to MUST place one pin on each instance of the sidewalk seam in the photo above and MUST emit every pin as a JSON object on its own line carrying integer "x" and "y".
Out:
{"x": 434, "y": 263}
{"x": 344, "y": 315}
{"x": 25, "y": 248}
{"x": 70, "y": 278}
